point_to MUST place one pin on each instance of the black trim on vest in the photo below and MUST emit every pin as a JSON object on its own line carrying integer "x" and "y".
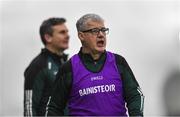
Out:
{"x": 120, "y": 61}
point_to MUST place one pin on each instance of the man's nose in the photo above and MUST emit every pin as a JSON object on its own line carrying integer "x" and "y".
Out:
{"x": 67, "y": 36}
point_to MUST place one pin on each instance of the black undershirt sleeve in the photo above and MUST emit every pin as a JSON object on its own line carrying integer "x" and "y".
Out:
{"x": 132, "y": 92}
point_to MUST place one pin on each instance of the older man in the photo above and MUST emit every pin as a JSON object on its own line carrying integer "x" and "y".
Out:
{"x": 96, "y": 82}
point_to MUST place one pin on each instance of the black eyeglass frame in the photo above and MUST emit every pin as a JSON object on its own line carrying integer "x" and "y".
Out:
{"x": 97, "y": 30}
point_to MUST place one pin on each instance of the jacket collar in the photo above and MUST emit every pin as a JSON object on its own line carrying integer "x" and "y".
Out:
{"x": 55, "y": 56}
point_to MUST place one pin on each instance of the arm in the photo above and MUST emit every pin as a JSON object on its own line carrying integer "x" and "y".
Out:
{"x": 133, "y": 95}
{"x": 33, "y": 86}
{"x": 60, "y": 92}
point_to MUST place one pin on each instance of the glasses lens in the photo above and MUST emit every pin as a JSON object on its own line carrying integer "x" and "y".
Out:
{"x": 95, "y": 31}
{"x": 105, "y": 30}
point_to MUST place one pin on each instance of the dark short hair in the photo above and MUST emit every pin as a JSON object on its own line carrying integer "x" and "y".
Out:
{"x": 46, "y": 27}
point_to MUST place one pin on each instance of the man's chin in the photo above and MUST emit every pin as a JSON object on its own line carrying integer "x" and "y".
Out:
{"x": 64, "y": 48}
{"x": 100, "y": 49}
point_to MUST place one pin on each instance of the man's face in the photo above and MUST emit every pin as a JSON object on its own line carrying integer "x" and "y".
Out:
{"x": 94, "y": 40}
{"x": 60, "y": 37}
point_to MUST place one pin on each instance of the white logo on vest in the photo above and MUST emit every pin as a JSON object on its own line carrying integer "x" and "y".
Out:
{"x": 97, "y": 89}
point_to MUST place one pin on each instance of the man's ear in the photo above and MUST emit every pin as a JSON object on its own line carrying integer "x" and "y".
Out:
{"x": 47, "y": 38}
{"x": 81, "y": 36}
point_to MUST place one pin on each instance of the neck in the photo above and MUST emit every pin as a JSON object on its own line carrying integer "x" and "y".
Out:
{"x": 95, "y": 55}
{"x": 55, "y": 51}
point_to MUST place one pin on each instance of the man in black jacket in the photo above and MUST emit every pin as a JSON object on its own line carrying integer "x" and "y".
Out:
{"x": 40, "y": 74}
{"x": 95, "y": 82}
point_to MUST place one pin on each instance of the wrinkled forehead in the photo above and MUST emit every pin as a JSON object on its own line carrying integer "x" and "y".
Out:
{"x": 94, "y": 24}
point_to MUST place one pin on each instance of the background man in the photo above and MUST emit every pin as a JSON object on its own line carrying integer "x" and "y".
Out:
{"x": 40, "y": 74}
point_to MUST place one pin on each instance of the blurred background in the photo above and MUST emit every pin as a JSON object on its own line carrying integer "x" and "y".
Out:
{"x": 145, "y": 32}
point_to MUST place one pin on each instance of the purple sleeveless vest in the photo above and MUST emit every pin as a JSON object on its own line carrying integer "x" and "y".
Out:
{"x": 96, "y": 93}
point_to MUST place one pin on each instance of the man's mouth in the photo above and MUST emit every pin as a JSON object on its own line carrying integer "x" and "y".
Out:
{"x": 66, "y": 40}
{"x": 100, "y": 43}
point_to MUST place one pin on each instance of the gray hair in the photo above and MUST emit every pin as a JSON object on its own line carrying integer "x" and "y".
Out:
{"x": 81, "y": 24}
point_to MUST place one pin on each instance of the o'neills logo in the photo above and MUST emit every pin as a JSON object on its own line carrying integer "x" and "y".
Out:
{"x": 97, "y": 89}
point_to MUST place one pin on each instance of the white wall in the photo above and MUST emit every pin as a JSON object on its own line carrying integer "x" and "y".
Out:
{"x": 144, "y": 32}
{"x": 0, "y": 64}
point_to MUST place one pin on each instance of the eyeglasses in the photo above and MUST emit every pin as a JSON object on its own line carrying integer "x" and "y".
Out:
{"x": 96, "y": 31}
